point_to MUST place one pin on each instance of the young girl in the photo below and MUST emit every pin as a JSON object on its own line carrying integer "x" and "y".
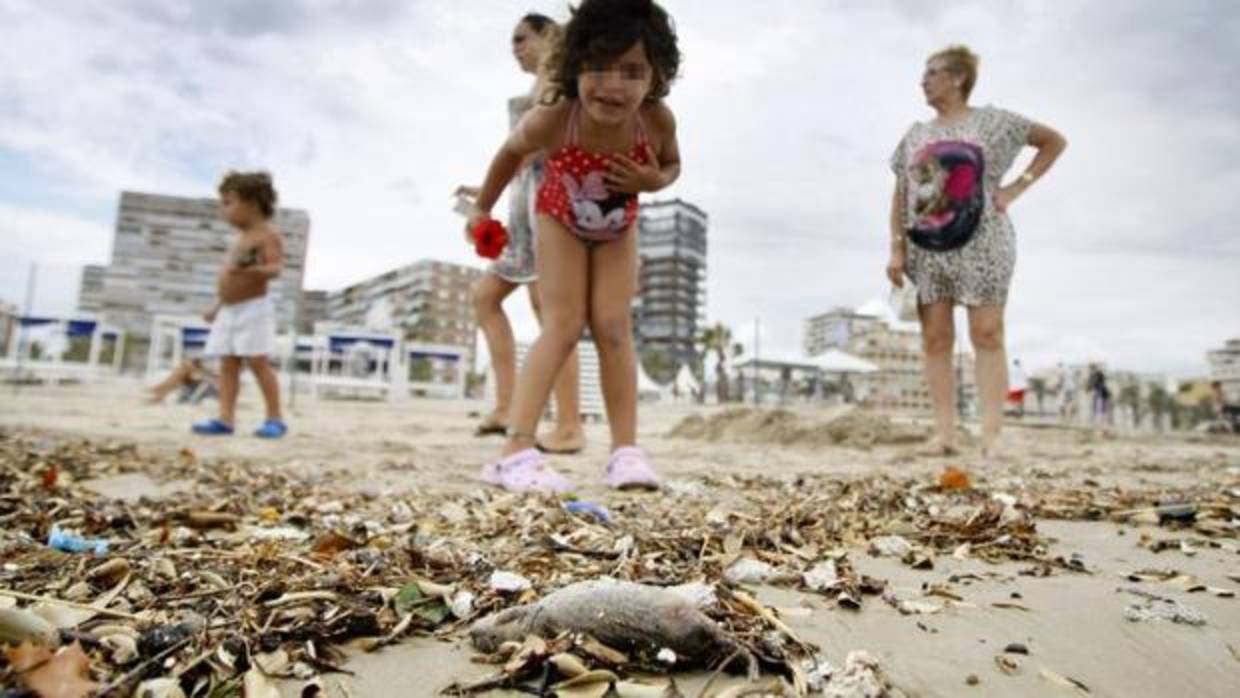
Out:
{"x": 532, "y": 39}
{"x": 607, "y": 136}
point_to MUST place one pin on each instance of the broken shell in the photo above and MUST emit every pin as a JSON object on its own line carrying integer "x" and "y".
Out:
{"x": 123, "y": 648}
{"x": 462, "y": 604}
{"x": 569, "y": 665}
{"x": 213, "y": 579}
{"x": 79, "y": 592}
{"x": 17, "y": 626}
{"x": 110, "y": 571}
{"x": 434, "y": 590}
{"x": 164, "y": 568}
{"x": 102, "y": 631}
{"x": 61, "y": 616}
{"x": 159, "y": 688}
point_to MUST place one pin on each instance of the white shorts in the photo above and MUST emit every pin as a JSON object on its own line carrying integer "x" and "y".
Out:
{"x": 243, "y": 329}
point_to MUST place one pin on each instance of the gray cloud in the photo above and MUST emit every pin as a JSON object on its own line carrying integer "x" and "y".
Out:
{"x": 370, "y": 113}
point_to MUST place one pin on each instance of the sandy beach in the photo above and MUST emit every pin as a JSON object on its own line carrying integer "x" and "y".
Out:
{"x": 938, "y": 627}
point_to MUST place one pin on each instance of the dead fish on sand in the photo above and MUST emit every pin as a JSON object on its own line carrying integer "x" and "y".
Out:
{"x": 623, "y": 615}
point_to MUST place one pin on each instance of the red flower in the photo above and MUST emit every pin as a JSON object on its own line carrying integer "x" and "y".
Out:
{"x": 490, "y": 238}
{"x": 960, "y": 182}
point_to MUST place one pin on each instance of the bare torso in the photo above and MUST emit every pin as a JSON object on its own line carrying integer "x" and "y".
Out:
{"x": 234, "y": 285}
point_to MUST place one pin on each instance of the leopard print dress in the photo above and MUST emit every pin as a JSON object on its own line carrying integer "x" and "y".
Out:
{"x": 987, "y": 141}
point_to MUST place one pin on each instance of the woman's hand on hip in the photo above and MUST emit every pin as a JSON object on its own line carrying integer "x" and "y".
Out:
{"x": 1006, "y": 195}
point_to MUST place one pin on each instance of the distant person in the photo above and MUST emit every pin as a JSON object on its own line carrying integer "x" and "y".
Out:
{"x": 243, "y": 320}
{"x": 950, "y": 231}
{"x": 1100, "y": 395}
{"x": 1018, "y": 386}
{"x": 1068, "y": 390}
{"x": 532, "y": 40}
{"x": 191, "y": 375}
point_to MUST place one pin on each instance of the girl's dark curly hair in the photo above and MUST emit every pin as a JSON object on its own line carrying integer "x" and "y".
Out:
{"x": 601, "y": 30}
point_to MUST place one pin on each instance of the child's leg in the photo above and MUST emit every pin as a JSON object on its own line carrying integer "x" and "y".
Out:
{"x": 174, "y": 380}
{"x": 563, "y": 269}
{"x": 613, "y": 282}
{"x": 268, "y": 383}
{"x": 568, "y": 433}
{"x": 230, "y": 379}
{"x": 489, "y": 295}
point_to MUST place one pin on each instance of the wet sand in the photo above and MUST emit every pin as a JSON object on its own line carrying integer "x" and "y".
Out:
{"x": 1074, "y": 625}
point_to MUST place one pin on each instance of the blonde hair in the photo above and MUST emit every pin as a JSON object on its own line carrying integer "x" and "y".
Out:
{"x": 960, "y": 59}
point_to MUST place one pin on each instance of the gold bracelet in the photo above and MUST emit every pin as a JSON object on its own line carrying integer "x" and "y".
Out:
{"x": 1027, "y": 178}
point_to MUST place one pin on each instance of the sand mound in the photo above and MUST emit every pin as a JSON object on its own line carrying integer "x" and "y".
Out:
{"x": 852, "y": 429}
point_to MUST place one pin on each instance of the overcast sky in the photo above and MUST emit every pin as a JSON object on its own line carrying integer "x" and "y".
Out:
{"x": 369, "y": 112}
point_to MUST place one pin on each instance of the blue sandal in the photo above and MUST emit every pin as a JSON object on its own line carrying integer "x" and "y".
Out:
{"x": 271, "y": 429}
{"x": 212, "y": 427}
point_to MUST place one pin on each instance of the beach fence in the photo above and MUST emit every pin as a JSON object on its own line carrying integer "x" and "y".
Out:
{"x": 335, "y": 362}
{"x": 49, "y": 349}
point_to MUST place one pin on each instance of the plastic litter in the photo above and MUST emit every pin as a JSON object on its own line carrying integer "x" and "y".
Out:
{"x": 589, "y": 508}
{"x": 68, "y": 542}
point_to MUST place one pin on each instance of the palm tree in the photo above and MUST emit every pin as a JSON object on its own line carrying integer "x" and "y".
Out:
{"x": 658, "y": 365}
{"x": 717, "y": 339}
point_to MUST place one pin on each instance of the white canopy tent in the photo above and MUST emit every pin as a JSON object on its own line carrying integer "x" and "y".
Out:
{"x": 837, "y": 361}
{"x": 647, "y": 389}
{"x": 685, "y": 387}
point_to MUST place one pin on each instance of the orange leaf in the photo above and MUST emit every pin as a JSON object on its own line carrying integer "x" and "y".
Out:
{"x": 50, "y": 476}
{"x": 27, "y": 656}
{"x": 65, "y": 675}
{"x": 954, "y": 479}
{"x": 331, "y": 544}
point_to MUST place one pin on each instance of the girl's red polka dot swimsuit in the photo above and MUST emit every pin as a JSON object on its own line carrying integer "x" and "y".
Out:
{"x": 574, "y": 189}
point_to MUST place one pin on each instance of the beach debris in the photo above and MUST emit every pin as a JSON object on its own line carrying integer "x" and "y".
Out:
{"x": 1016, "y": 648}
{"x": 19, "y": 625}
{"x": 1157, "y": 607}
{"x": 953, "y": 478}
{"x": 861, "y": 677}
{"x": 747, "y": 570}
{"x": 908, "y": 607}
{"x": 63, "y": 674}
{"x": 590, "y": 509}
{"x": 295, "y": 565}
{"x": 972, "y": 680}
{"x": 1064, "y": 681}
{"x": 1179, "y": 512}
{"x": 890, "y": 546}
{"x": 159, "y": 688}
{"x": 508, "y": 582}
{"x": 1007, "y": 665}
{"x": 69, "y": 542}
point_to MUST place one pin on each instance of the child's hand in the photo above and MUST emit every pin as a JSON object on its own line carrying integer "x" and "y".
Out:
{"x": 630, "y": 177}
{"x": 476, "y": 218}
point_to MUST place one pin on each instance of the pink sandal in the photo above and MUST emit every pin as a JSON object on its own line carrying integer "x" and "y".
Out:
{"x": 629, "y": 469}
{"x": 524, "y": 471}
